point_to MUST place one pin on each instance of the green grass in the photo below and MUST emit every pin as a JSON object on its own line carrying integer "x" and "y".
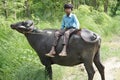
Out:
{"x": 18, "y": 61}
{"x": 111, "y": 48}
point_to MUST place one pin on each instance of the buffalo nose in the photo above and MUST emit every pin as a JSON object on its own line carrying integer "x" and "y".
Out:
{"x": 12, "y": 26}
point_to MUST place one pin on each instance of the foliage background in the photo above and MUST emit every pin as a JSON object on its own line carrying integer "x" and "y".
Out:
{"x": 18, "y": 61}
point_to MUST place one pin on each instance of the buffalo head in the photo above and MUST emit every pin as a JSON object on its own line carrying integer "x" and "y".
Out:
{"x": 24, "y": 26}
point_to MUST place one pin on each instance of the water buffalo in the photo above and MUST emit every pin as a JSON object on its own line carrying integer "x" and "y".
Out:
{"x": 79, "y": 51}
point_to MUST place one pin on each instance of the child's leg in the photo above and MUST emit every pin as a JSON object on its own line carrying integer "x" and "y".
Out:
{"x": 66, "y": 38}
{"x": 52, "y": 51}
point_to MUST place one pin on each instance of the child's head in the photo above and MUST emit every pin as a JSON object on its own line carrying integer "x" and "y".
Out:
{"x": 68, "y": 8}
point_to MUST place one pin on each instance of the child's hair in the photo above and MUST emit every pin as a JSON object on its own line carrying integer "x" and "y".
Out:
{"x": 68, "y": 6}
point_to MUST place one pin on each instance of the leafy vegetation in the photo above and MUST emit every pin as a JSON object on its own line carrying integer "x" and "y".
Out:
{"x": 18, "y": 61}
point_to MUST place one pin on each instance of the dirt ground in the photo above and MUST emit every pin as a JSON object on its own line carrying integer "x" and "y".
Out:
{"x": 112, "y": 69}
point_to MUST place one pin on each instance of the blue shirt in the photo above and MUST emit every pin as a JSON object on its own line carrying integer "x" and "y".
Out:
{"x": 70, "y": 21}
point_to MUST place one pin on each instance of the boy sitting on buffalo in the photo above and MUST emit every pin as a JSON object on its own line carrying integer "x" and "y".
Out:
{"x": 69, "y": 24}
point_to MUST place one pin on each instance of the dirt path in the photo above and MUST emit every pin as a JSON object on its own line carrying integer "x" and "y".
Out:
{"x": 112, "y": 69}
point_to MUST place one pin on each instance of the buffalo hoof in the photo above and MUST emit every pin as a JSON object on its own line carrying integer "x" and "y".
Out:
{"x": 49, "y": 55}
{"x": 63, "y": 54}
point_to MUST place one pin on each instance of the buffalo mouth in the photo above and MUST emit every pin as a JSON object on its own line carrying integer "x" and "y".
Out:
{"x": 16, "y": 27}
{"x": 12, "y": 26}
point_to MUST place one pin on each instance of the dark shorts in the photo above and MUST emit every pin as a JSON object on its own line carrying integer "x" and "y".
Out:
{"x": 62, "y": 32}
{"x": 66, "y": 32}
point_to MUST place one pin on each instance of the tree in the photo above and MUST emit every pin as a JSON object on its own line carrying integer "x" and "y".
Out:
{"x": 5, "y": 8}
{"x": 106, "y": 6}
{"x": 114, "y": 9}
{"x": 27, "y": 8}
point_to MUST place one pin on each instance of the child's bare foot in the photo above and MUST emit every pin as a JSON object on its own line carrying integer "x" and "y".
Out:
{"x": 63, "y": 54}
{"x": 50, "y": 55}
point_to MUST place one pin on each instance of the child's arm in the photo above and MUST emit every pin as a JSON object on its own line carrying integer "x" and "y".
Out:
{"x": 77, "y": 24}
{"x": 63, "y": 24}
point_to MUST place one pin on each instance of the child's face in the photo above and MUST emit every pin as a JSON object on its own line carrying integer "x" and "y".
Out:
{"x": 68, "y": 11}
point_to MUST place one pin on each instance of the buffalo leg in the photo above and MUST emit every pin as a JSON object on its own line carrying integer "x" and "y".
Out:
{"x": 99, "y": 66}
{"x": 89, "y": 68}
{"x": 48, "y": 72}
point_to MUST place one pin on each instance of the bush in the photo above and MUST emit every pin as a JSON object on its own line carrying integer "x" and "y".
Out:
{"x": 99, "y": 22}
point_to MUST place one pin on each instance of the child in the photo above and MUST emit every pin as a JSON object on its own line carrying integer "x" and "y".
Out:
{"x": 69, "y": 24}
